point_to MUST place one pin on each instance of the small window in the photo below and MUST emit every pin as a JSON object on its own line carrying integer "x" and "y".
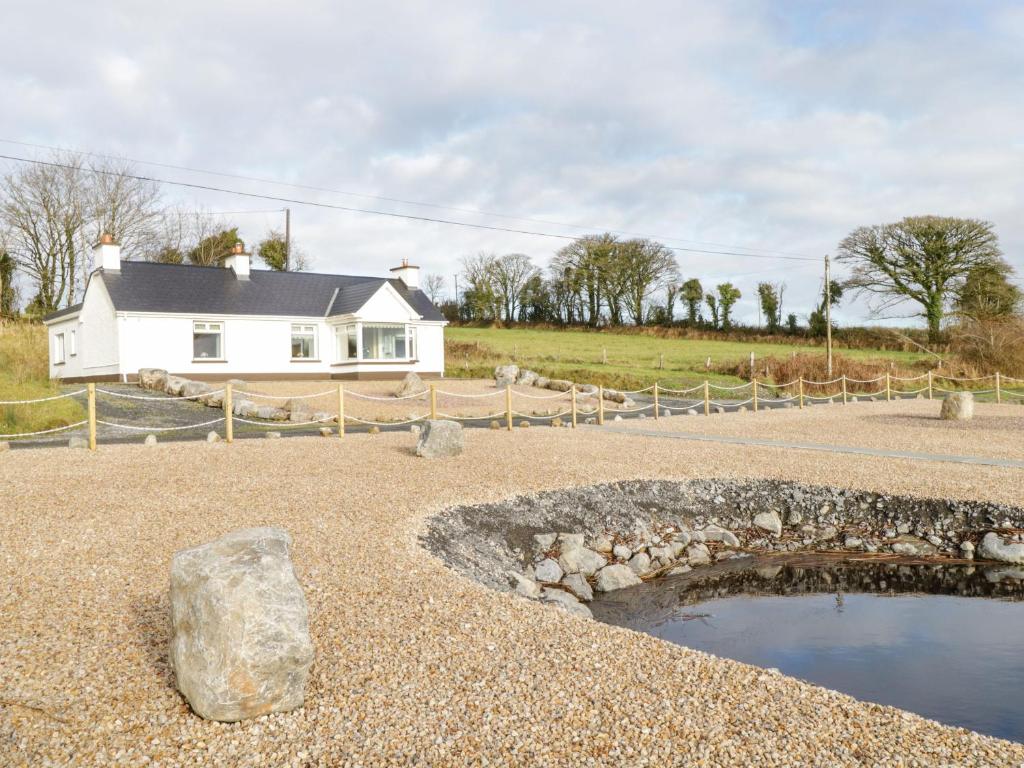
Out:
{"x": 303, "y": 342}
{"x": 208, "y": 341}
{"x": 73, "y": 344}
{"x": 58, "y": 348}
{"x": 346, "y": 343}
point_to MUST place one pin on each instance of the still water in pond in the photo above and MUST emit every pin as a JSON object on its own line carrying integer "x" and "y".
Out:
{"x": 946, "y": 642}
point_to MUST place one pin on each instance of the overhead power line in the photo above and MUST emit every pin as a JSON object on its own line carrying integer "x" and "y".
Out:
{"x": 390, "y": 214}
{"x": 401, "y": 201}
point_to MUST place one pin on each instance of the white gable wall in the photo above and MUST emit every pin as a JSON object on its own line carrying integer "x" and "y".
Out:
{"x": 387, "y": 306}
{"x": 96, "y": 337}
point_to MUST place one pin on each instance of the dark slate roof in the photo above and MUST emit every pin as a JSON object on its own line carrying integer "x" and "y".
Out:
{"x": 149, "y": 287}
{"x": 67, "y": 311}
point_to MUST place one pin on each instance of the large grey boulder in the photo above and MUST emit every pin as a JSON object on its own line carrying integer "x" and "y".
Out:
{"x": 174, "y": 385}
{"x": 548, "y": 570}
{"x": 958, "y": 406}
{"x": 411, "y": 385}
{"x": 247, "y": 409}
{"x": 527, "y": 378}
{"x": 505, "y": 375}
{"x": 240, "y": 644}
{"x": 299, "y": 410}
{"x": 439, "y": 438}
{"x": 195, "y": 388}
{"x": 993, "y": 547}
{"x": 559, "y": 385}
{"x": 912, "y": 546}
{"x": 616, "y": 576}
{"x": 152, "y": 378}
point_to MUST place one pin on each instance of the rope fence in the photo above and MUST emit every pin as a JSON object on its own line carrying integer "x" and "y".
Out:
{"x": 845, "y": 389}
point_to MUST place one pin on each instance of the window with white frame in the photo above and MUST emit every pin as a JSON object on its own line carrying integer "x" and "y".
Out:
{"x": 346, "y": 343}
{"x": 207, "y": 341}
{"x": 385, "y": 342}
{"x": 58, "y": 348}
{"x": 73, "y": 343}
{"x": 303, "y": 342}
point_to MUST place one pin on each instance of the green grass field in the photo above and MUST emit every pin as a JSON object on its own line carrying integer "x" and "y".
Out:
{"x": 632, "y": 360}
{"x": 24, "y": 375}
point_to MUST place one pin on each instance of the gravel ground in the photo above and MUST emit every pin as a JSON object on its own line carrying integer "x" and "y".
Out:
{"x": 416, "y": 664}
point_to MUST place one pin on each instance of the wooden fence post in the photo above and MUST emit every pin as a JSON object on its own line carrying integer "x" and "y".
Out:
{"x": 930, "y": 390}
{"x": 92, "y": 415}
{"x": 341, "y": 410}
{"x": 888, "y": 387}
{"x": 508, "y": 406}
{"x": 999, "y": 393}
{"x": 600, "y": 406}
{"x": 573, "y": 391}
{"x": 707, "y": 398}
{"x": 801, "y": 400}
{"x": 433, "y": 401}
{"x": 229, "y": 427}
{"x": 656, "y": 414}
{"x": 755, "y": 394}
{"x": 844, "y": 389}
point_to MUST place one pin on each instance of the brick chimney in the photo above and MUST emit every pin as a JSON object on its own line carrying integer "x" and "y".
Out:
{"x": 238, "y": 261}
{"x": 106, "y": 254}
{"x": 408, "y": 274}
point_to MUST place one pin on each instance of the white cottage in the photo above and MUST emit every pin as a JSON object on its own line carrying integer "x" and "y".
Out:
{"x": 214, "y": 323}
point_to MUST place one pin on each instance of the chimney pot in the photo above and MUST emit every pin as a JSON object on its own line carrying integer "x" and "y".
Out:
{"x": 106, "y": 239}
{"x": 106, "y": 254}
{"x": 239, "y": 247}
{"x": 408, "y": 274}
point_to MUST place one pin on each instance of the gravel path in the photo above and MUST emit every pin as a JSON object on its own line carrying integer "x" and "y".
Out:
{"x": 415, "y": 663}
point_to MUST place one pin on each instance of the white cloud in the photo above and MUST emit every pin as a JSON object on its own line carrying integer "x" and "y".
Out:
{"x": 732, "y": 123}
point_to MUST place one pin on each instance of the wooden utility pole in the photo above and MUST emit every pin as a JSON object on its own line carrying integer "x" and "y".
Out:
{"x": 287, "y": 239}
{"x": 828, "y": 316}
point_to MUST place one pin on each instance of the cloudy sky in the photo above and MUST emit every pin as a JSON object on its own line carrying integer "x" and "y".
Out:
{"x": 771, "y": 127}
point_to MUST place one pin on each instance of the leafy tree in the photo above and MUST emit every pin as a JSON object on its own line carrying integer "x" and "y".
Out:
{"x": 771, "y": 305}
{"x": 923, "y": 259}
{"x": 213, "y": 249}
{"x": 693, "y": 293}
{"x": 8, "y": 293}
{"x": 645, "y": 267}
{"x": 671, "y": 294}
{"x": 479, "y": 301}
{"x": 792, "y": 324}
{"x": 712, "y": 302}
{"x": 816, "y": 320}
{"x": 728, "y": 295}
{"x": 988, "y": 293}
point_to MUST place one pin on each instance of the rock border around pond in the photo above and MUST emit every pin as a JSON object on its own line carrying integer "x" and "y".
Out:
{"x": 562, "y": 546}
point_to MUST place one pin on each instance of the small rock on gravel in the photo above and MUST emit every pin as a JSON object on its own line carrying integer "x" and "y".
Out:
{"x": 212, "y": 437}
{"x": 272, "y": 435}
{"x": 549, "y": 570}
{"x": 150, "y": 440}
{"x": 769, "y": 521}
{"x": 439, "y": 438}
{"x": 78, "y": 442}
{"x": 957, "y": 406}
{"x": 411, "y": 385}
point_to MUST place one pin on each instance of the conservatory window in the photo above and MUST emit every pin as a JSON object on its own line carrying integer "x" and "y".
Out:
{"x": 385, "y": 342}
{"x": 346, "y": 344}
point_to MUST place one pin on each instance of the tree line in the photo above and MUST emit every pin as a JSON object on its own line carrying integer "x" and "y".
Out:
{"x": 601, "y": 280}
{"x": 52, "y": 214}
{"x": 951, "y": 269}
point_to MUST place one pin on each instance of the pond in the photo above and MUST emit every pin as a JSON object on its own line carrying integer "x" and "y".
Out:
{"x": 943, "y": 641}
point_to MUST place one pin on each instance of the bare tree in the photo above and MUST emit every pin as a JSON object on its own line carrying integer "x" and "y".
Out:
{"x": 433, "y": 286}
{"x": 126, "y": 207}
{"x": 45, "y": 208}
{"x": 924, "y": 259}
{"x": 479, "y": 297}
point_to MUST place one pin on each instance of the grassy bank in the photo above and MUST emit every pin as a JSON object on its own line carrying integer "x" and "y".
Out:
{"x": 24, "y": 375}
{"x": 633, "y": 360}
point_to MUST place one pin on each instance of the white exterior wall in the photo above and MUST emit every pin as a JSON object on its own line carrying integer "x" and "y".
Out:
{"x": 121, "y": 343}
{"x": 96, "y": 337}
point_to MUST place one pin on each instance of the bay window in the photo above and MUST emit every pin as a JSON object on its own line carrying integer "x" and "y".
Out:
{"x": 303, "y": 342}
{"x": 207, "y": 341}
{"x": 374, "y": 341}
{"x": 346, "y": 343}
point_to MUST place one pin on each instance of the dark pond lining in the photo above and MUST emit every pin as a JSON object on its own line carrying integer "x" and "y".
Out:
{"x": 922, "y": 637}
